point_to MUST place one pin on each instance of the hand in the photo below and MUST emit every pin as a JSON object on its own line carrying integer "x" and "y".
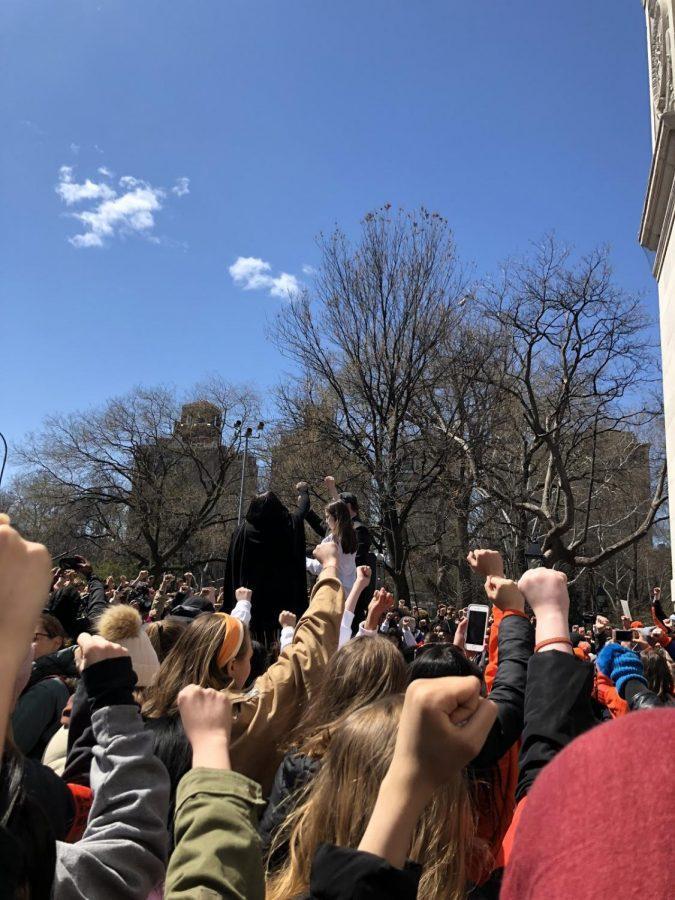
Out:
{"x": 658, "y": 635}
{"x": 381, "y": 603}
{"x": 486, "y": 562}
{"x": 189, "y": 578}
{"x": 625, "y": 622}
{"x": 25, "y": 577}
{"x": 206, "y": 715}
{"x": 546, "y": 591}
{"x": 331, "y": 487}
{"x": 443, "y": 726}
{"x": 363, "y": 576}
{"x": 459, "y": 639}
{"x": 504, "y": 593}
{"x": 93, "y": 648}
{"x": 431, "y": 748}
{"x": 244, "y": 594}
{"x": 327, "y": 554}
{"x": 656, "y": 592}
{"x": 301, "y": 487}
{"x": 287, "y": 619}
{"x": 601, "y": 623}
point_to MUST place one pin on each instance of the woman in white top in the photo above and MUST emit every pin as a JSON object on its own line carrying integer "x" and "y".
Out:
{"x": 341, "y": 530}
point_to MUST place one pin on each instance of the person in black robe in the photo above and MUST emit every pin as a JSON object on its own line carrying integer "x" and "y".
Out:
{"x": 267, "y": 555}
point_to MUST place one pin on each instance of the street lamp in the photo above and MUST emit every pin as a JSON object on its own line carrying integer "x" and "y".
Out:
{"x": 248, "y": 436}
{"x": 4, "y": 457}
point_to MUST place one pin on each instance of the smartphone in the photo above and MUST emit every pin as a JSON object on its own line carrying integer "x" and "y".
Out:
{"x": 620, "y": 635}
{"x": 476, "y": 628}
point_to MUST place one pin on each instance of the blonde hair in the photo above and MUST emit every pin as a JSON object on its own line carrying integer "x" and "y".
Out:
{"x": 360, "y": 672}
{"x": 337, "y": 804}
{"x": 192, "y": 660}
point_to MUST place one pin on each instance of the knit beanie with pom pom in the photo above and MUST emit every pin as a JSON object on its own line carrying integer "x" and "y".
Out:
{"x": 123, "y": 625}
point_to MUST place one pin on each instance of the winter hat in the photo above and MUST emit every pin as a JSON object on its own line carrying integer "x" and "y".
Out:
{"x": 580, "y": 809}
{"x": 620, "y": 665}
{"x": 123, "y": 625}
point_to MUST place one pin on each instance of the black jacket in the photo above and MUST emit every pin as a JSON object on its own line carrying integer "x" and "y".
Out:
{"x": 339, "y": 873}
{"x": 61, "y": 663}
{"x": 557, "y": 709}
{"x": 295, "y": 771}
{"x": 516, "y": 644}
{"x": 76, "y": 613}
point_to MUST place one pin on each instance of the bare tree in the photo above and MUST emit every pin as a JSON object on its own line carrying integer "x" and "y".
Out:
{"x": 149, "y": 474}
{"x": 365, "y": 341}
{"x": 573, "y": 365}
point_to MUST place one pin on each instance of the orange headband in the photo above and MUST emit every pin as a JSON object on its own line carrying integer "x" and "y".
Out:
{"x": 234, "y": 638}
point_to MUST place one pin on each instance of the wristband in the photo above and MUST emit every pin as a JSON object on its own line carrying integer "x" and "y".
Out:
{"x": 554, "y": 640}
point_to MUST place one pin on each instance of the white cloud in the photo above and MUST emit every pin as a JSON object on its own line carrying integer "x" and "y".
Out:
{"x": 308, "y": 270}
{"x": 253, "y": 274}
{"x": 75, "y": 148}
{"x": 72, "y": 192}
{"x": 181, "y": 187}
{"x": 110, "y": 213}
{"x": 285, "y": 286}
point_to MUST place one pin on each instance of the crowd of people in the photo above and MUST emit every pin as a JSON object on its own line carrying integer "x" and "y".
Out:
{"x": 166, "y": 740}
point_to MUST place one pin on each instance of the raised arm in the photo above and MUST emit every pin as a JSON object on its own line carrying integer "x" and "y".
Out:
{"x": 123, "y": 850}
{"x": 25, "y": 576}
{"x": 217, "y": 847}
{"x": 280, "y": 694}
{"x": 363, "y": 576}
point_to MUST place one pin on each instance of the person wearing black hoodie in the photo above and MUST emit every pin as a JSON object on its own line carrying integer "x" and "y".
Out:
{"x": 266, "y": 550}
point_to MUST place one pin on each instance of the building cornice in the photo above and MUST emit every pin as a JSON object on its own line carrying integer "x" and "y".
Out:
{"x": 659, "y": 208}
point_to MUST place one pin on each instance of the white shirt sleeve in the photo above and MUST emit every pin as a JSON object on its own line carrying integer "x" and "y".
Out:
{"x": 313, "y": 566}
{"x": 242, "y": 611}
{"x": 366, "y": 632}
{"x": 408, "y": 638}
{"x": 286, "y": 638}
{"x": 345, "y": 628}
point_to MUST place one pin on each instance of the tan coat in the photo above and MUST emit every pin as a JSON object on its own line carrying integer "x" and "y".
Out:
{"x": 268, "y": 714}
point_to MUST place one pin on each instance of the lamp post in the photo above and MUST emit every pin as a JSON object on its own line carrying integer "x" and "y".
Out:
{"x": 4, "y": 457}
{"x": 248, "y": 436}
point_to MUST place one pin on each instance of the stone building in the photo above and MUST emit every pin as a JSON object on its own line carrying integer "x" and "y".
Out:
{"x": 658, "y": 217}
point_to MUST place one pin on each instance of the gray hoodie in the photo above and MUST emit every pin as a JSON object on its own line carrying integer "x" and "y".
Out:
{"x": 122, "y": 854}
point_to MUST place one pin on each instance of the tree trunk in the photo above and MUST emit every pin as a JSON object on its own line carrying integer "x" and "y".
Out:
{"x": 462, "y": 535}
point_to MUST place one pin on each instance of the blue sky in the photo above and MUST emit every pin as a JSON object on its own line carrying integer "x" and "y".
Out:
{"x": 285, "y": 117}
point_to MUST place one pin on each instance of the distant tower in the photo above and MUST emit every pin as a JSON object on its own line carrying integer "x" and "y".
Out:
{"x": 200, "y": 422}
{"x": 658, "y": 217}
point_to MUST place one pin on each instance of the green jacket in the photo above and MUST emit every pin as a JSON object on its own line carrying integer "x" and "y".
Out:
{"x": 217, "y": 852}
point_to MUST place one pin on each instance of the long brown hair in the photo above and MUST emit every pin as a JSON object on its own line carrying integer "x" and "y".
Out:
{"x": 192, "y": 660}
{"x": 344, "y": 532}
{"x": 338, "y": 802}
{"x": 362, "y": 671}
{"x": 163, "y": 636}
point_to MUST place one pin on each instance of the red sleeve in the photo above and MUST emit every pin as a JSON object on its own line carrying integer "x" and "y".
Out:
{"x": 82, "y": 799}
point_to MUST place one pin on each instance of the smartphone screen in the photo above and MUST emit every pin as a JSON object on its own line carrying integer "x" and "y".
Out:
{"x": 622, "y": 635}
{"x": 475, "y": 632}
